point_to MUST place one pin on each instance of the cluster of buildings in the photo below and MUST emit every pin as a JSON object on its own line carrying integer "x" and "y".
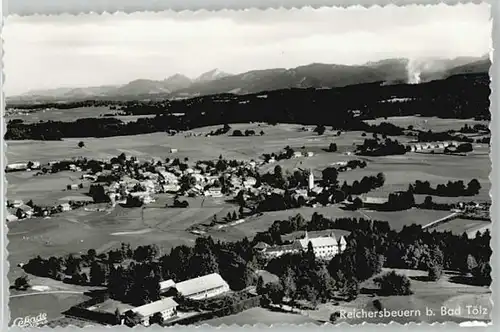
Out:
{"x": 200, "y": 180}
{"x": 199, "y": 288}
{"x": 324, "y": 247}
{"x": 18, "y": 210}
{"x": 429, "y": 146}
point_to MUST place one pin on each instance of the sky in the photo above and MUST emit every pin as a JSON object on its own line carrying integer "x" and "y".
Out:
{"x": 45, "y": 52}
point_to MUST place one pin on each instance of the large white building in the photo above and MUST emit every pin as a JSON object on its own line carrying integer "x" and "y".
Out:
{"x": 167, "y": 307}
{"x": 324, "y": 247}
{"x": 203, "y": 287}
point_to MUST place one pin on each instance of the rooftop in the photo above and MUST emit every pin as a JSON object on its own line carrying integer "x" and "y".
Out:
{"x": 319, "y": 241}
{"x": 192, "y": 286}
{"x": 166, "y": 284}
{"x": 154, "y": 307}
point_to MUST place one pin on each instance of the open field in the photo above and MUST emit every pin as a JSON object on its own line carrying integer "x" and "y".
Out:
{"x": 459, "y": 226}
{"x": 93, "y": 230}
{"x": 426, "y": 294}
{"x": 65, "y": 115}
{"x": 77, "y": 231}
{"x": 51, "y": 304}
{"x": 260, "y": 316}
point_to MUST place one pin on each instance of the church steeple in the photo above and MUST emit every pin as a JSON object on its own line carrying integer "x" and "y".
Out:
{"x": 311, "y": 180}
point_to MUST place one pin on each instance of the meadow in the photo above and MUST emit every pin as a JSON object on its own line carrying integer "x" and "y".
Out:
{"x": 77, "y": 231}
{"x": 433, "y": 295}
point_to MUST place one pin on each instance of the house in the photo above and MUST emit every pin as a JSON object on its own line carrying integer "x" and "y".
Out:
{"x": 373, "y": 201}
{"x": 261, "y": 246}
{"x": 167, "y": 307}
{"x": 203, "y": 287}
{"x": 73, "y": 186}
{"x": 310, "y": 154}
{"x": 168, "y": 177}
{"x": 174, "y": 150}
{"x": 89, "y": 177}
{"x": 171, "y": 188}
{"x": 214, "y": 192}
{"x": 297, "y": 154}
{"x": 277, "y": 251}
{"x": 24, "y": 211}
{"x": 16, "y": 167}
{"x": 249, "y": 182}
{"x": 17, "y": 203}
{"x": 35, "y": 165}
{"x": 166, "y": 285}
{"x": 65, "y": 207}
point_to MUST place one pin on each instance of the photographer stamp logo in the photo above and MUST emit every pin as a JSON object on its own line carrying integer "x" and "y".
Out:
{"x": 31, "y": 321}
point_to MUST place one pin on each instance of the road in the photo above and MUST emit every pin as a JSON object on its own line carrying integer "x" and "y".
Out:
{"x": 436, "y": 222}
{"x": 49, "y": 292}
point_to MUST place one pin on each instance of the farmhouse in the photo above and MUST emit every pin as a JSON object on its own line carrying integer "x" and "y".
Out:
{"x": 166, "y": 285}
{"x": 65, "y": 207}
{"x": 373, "y": 202}
{"x": 204, "y": 287}
{"x": 174, "y": 150}
{"x": 24, "y": 211}
{"x": 16, "y": 167}
{"x": 297, "y": 154}
{"x": 167, "y": 307}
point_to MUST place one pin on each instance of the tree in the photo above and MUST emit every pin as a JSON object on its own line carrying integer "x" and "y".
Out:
{"x": 473, "y": 187}
{"x": 288, "y": 284}
{"x": 260, "y": 286}
{"x": 81, "y": 144}
{"x": 330, "y": 175}
{"x": 118, "y": 317}
{"x": 334, "y": 316}
{"x": 22, "y": 283}
{"x": 428, "y": 201}
{"x": 471, "y": 263}
{"x": 320, "y": 129}
{"x": 392, "y": 283}
{"x": 332, "y": 147}
{"x": 275, "y": 292}
{"x": 157, "y": 318}
{"x": 237, "y": 133}
{"x": 435, "y": 272}
{"x": 97, "y": 274}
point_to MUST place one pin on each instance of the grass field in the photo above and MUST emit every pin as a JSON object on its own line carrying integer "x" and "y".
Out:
{"x": 65, "y": 115}
{"x": 426, "y": 294}
{"x": 459, "y": 226}
{"x": 77, "y": 231}
{"x": 260, "y": 316}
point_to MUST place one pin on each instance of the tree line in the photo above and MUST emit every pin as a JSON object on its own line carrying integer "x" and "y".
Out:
{"x": 460, "y": 96}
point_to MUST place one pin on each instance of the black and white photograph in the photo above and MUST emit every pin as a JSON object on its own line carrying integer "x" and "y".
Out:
{"x": 282, "y": 166}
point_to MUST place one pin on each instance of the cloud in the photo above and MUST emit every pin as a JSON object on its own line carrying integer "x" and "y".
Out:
{"x": 86, "y": 50}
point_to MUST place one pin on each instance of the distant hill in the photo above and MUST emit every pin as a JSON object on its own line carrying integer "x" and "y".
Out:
{"x": 315, "y": 75}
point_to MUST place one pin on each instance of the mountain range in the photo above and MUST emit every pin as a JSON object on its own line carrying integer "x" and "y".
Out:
{"x": 315, "y": 75}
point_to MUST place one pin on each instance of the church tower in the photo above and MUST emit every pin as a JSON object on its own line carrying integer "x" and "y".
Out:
{"x": 311, "y": 180}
